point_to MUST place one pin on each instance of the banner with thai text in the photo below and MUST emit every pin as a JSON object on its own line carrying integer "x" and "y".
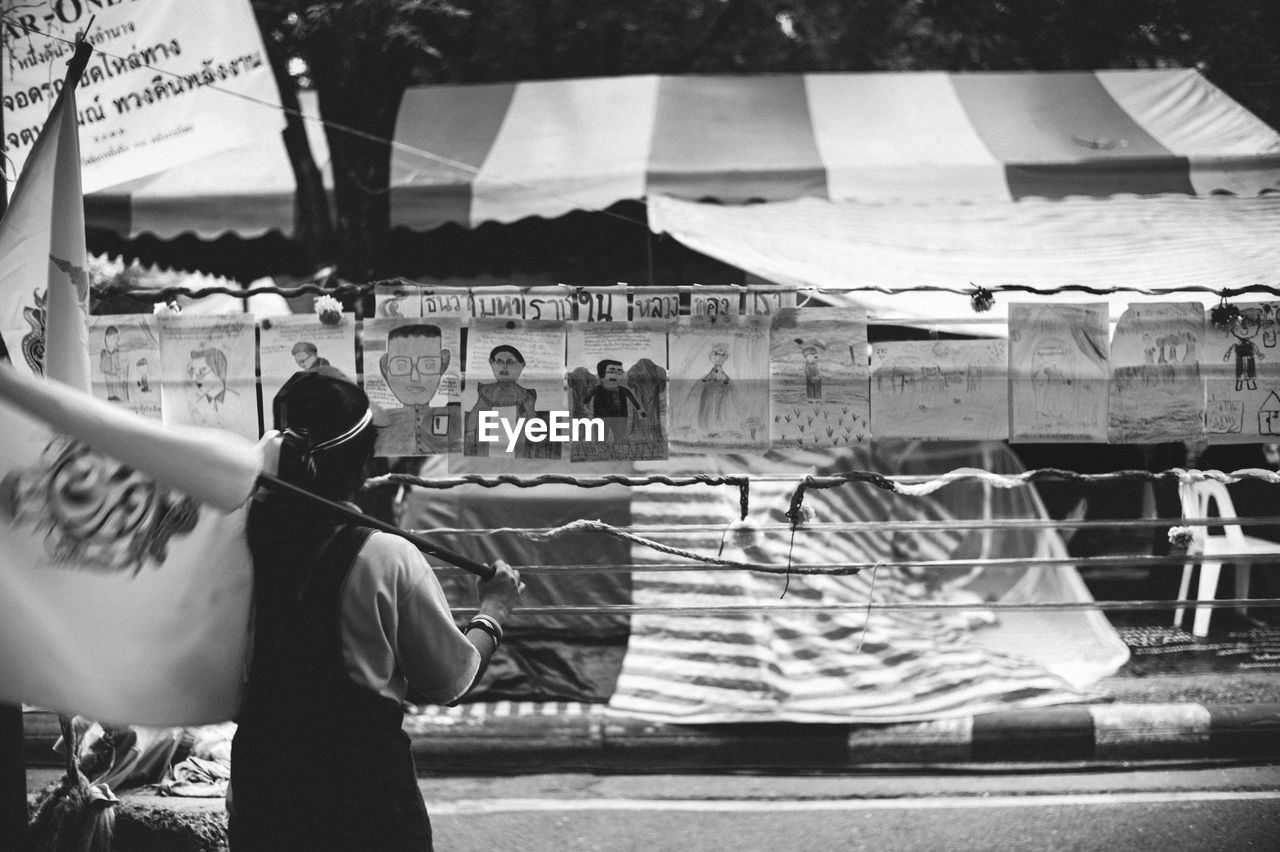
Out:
{"x": 163, "y": 87}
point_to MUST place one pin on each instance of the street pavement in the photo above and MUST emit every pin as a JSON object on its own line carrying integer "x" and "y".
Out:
{"x": 1197, "y": 809}
{"x": 1189, "y": 809}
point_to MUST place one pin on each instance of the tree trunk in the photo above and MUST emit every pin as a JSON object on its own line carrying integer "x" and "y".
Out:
{"x": 312, "y": 225}
{"x": 361, "y": 174}
{"x": 360, "y": 92}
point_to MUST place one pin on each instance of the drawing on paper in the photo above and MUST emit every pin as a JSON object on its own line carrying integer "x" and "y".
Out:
{"x": 209, "y": 372}
{"x": 1242, "y": 372}
{"x": 1058, "y": 368}
{"x": 621, "y": 379}
{"x": 940, "y": 390}
{"x": 818, "y": 377}
{"x": 411, "y": 375}
{"x": 524, "y": 363}
{"x": 720, "y": 383}
{"x": 1157, "y": 388}
{"x": 127, "y": 369}
{"x": 291, "y": 344}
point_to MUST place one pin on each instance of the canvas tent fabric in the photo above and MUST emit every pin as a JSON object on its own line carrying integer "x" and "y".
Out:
{"x": 1159, "y": 244}
{"x": 471, "y": 154}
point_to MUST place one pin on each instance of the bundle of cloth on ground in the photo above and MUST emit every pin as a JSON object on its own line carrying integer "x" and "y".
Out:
{"x": 191, "y": 762}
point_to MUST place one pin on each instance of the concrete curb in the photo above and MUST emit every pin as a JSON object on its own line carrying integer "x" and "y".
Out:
{"x": 523, "y": 737}
{"x": 528, "y": 736}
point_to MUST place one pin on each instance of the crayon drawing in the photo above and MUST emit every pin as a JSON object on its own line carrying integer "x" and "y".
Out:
{"x": 1157, "y": 387}
{"x": 940, "y": 390}
{"x": 619, "y": 375}
{"x": 818, "y": 377}
{"x": 719, "y": 390}
{"x": 292, "y": 344}
{"x": 207, "y": 366}
{"x": 126, "y": 370}
{"x": 412, "y": 376}
{"x": 514, "y": 378}
{"x": 1241, "y": 364}
{"x": 1058, "y": 370}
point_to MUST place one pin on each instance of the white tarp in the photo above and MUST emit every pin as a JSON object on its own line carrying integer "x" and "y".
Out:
{"x": 1155, "y": 243}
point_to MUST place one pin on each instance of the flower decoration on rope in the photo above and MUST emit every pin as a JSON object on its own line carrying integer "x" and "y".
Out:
{"x": 1223, "y": 315}
{"x": 166, "y": 309}
{"x": 329, "y": 310}
{"x": 805, "y": 515}
{"x": 982, "y": 299}
{"x": 1181, "y": 536}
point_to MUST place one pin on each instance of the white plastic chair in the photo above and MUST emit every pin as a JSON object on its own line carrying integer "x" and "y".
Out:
{"x": 1198, "y": 500}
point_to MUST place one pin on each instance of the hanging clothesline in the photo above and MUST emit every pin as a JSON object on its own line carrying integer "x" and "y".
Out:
{"x": 165, "y": 294}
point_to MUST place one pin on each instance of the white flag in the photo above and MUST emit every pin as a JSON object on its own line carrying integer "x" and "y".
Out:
{"x": 125, "y": 584}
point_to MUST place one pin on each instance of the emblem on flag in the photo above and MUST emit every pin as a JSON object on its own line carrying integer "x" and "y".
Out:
{"x": 33, "y": 340}
{"x": 94, "y": 512}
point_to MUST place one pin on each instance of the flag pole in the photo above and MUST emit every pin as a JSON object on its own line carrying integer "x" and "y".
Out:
{"x": 13, "y": 779}
{"x": 274, "y": 483}
{"x": 13, "y": 764}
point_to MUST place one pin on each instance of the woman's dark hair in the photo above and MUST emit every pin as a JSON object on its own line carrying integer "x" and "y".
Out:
{"x": 314, "y": 411}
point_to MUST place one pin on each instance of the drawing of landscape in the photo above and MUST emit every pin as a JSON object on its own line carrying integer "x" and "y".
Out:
{"x": 940, "y": 390}
{"x": 1058, "y": 372}
{"x": 818, "y": 377}
{"x": 1157, "y": 387}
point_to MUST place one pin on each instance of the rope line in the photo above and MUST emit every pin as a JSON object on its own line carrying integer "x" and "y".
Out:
{"x": 914, "y": 485}
{"x": 849, "y": 568}
{"x": 608, "y": 529}
{"x": 894, "y": 526}
{"x": 166, "y": 293}
{"x": 888, "y": 606}
{"x": 742, "y": 483}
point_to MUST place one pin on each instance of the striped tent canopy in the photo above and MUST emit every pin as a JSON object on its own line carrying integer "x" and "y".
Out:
{"x": 503, "y": 152}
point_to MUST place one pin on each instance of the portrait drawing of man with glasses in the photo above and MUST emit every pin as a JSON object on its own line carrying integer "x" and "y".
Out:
{"x": 412, "y": 367}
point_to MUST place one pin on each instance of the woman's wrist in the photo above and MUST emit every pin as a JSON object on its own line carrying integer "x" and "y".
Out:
{"x": 487, "y": 624}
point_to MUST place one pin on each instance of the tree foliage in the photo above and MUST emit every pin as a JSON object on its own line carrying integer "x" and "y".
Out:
{"x": 359, "y": 56}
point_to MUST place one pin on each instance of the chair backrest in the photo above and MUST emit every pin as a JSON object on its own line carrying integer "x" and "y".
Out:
{"x": 1200, "y": 499}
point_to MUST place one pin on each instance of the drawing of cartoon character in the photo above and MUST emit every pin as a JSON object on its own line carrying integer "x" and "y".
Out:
{"x": 1244, "y": 328}
{"x": 1052, "y": 375}
{"x": 507, "y": 364}
{"x": 113, "y": 374}
{"x": 611, "y": 401}
{"x": 713, "y": 396}
{"x": 510, "y": 400}
{"x": 210, "y": 401}
{"x": 809, "y": 350}
{"x": 412, "y": 367}
{"x": 144, "y": 376}
{"x": 307, "y": 356}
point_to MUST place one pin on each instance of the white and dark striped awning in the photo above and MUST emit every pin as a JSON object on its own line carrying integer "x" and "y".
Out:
{"x": 502, "y": 152}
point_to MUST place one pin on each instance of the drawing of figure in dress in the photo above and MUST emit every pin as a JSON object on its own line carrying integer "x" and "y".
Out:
{"x": 715, "y": 394}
